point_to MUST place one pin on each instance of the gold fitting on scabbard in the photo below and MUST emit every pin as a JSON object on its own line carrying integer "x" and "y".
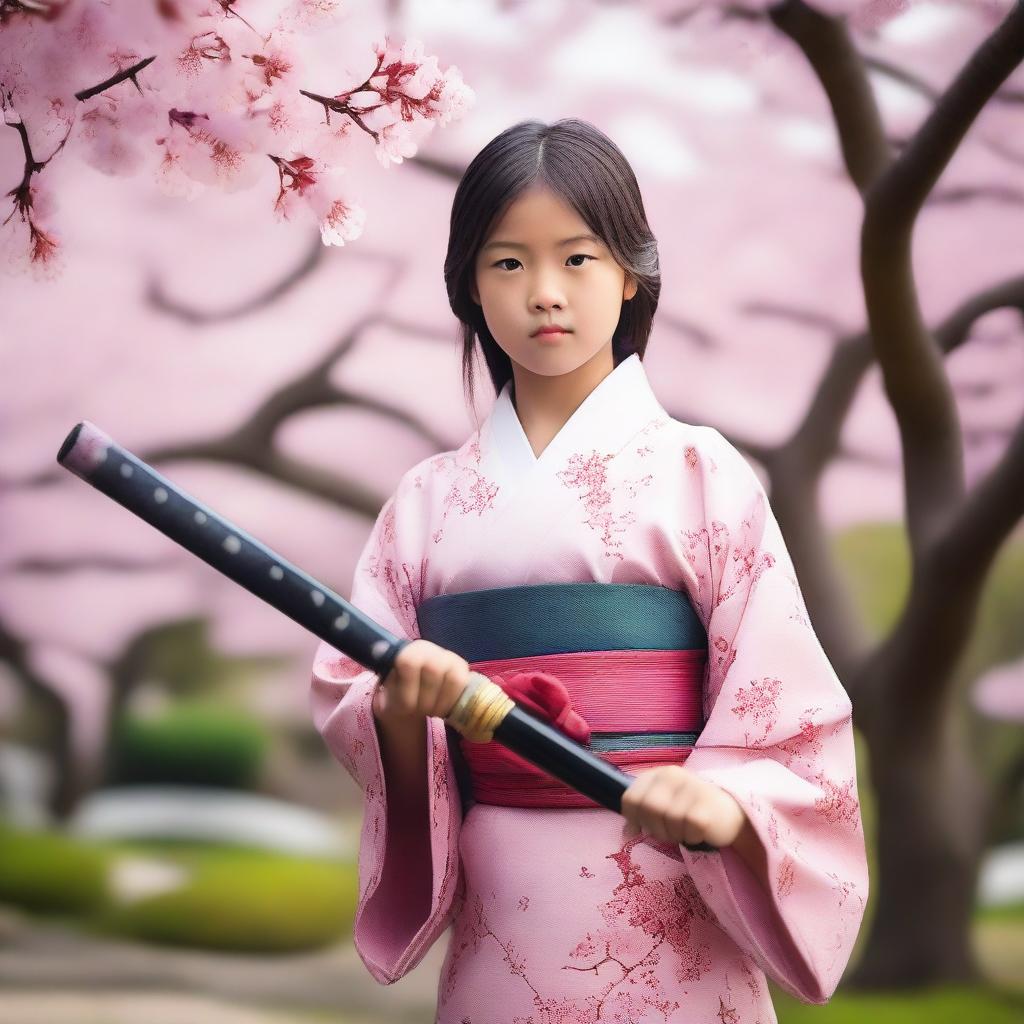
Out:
{"x": 480, "y": 709}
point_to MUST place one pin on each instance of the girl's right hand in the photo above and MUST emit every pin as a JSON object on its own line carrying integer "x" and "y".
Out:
{"x": 425, "y": 680}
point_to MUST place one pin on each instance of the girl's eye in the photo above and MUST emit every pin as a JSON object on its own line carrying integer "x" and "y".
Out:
{"x": 575, "y": 256}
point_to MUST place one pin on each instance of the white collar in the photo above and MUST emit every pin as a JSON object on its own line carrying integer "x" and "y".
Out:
{"x": 621, "y": 404}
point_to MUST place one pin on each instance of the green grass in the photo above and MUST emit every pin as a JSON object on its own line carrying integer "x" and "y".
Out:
{"x": 946, "y": 1004}
{"x": 244, "y": 902}
{"x": 1006, "y": 912}
{"x": 48, "y": 873}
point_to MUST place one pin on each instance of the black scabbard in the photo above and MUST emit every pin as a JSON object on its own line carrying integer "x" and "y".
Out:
{"x": 92, "y": 455}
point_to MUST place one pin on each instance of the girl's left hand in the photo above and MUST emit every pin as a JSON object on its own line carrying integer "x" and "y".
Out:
{"x": 678, "y": 806}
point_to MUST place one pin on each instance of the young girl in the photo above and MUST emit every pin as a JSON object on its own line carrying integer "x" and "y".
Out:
{"x": 622, "y": 574}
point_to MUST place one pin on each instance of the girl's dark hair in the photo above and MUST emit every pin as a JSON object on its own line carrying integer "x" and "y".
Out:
{"x": 589, "y": 172}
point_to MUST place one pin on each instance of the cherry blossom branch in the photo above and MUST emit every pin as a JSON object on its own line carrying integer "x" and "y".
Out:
{"x": 31, "y": 164}
{"x": 397, "y": 72}
{"x": 228, "y": 7}
{"x": 218, "y": 145}
{"x": 42, "y": 246}
{"x": 341, "y": 106}
{"x": 121, "y": 76}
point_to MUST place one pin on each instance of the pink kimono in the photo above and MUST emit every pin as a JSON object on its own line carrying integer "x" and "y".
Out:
{"x": 556, "y": 917}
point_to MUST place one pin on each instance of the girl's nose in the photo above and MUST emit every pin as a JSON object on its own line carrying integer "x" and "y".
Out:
{"x": 545, "y": 298}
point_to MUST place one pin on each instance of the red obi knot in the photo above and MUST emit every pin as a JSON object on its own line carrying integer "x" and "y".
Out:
{"x": 546, "y": 695}
{"x": 617, "y": 691}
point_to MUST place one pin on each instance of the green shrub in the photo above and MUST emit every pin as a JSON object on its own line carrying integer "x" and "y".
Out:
{"x": 189, "y": 745}
{"x": 48, "y": 873}
{"x": 247, "y": 903}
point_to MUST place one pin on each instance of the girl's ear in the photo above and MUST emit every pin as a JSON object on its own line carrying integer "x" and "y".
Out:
{"x": 631, "y": 288}
{"x": 473, "y": 293}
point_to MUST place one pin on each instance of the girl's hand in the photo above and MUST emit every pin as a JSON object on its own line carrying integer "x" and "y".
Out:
{"x": 678, "y": 806}
{"x": 425, "y": 680}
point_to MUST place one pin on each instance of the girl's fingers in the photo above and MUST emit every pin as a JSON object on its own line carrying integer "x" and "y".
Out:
{"x": 636, "y": 801}
{"x": 455, "y": 679}
{"x": 678, "y": 821}
{"x": 687, "y": 825}
{"x": 658, "y": 806}
{"x": 431, "y": 679}
{"x": 406, "y": 672}
{"x": 634, "y": 796}
{"x": 696, "y": 828}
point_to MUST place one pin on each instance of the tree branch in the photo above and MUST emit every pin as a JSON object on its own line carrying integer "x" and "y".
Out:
{"x": 121, "y": 76}
{"x": 912, "y": 370}
{"x": 157, "y": 298}
{"x": 251, "y": 444}
{"x": 830, "y": 51}
{"x": 90, "y": 563}
{"x": 931, "y": 629}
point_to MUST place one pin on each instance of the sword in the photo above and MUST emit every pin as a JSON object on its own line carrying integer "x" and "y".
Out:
{"x": 92, "y": 455}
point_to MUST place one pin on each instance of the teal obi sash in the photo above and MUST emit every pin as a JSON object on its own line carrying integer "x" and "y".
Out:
{"x": 632, "y": 657}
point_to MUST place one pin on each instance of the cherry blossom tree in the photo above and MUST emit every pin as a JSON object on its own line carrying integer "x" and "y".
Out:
{"x": 933, "y": 807}
{"x": 930, "y": 766}
{"x": 204, "y": 94}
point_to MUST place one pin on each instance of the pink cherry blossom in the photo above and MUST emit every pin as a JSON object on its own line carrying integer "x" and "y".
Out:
{"x": 199, "y": 95}
{"x": 341, "y": 222}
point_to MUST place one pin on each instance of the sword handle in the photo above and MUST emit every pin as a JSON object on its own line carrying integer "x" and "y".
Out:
{"x": 484, "y": 712}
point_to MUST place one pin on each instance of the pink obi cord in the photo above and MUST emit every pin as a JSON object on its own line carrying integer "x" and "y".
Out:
{"x": 584, "y": 692}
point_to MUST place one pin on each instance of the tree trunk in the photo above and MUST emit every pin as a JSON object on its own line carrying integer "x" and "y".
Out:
{"x": 931, "y": 811}
{"x": 67, "y": 787}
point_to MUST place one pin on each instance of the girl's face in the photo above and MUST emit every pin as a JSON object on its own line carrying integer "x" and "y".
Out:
{"x": 534, "y": 269}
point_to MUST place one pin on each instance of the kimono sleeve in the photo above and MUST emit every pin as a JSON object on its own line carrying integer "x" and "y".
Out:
{"x": 408, "y": 871}
{"x": 777, "y": 736}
